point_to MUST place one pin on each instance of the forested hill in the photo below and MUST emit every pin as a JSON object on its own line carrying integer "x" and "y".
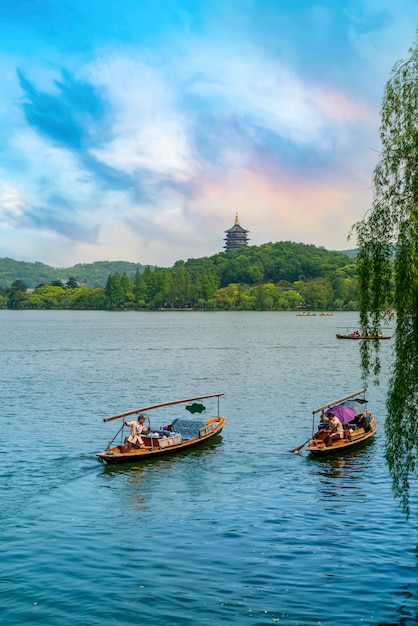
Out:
{"x": 91, "y": 274}
{"x": 271, "y": 262}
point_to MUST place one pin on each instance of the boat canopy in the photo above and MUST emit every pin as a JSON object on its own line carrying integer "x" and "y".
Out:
{"x": 344, "y": 413}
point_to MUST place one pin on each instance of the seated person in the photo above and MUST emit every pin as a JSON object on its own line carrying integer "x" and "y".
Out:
{"x": 336, "y": 432}
{"x": 363, "y": 420}
{"x": 323, "y": 428}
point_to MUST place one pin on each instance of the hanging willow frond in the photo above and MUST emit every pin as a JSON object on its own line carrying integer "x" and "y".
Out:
{"x": 388, "y": 269}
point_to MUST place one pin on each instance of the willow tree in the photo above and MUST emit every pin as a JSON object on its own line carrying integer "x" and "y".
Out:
{"x": 388, "y": 269}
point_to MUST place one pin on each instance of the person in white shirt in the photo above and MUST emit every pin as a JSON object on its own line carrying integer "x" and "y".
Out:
{"x": 134, "y": 440}
{"x": 336, "y": 431}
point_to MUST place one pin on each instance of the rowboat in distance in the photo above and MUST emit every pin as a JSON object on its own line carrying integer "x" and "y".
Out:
{"x": 180, "y": 433}
{"x": 357, "y": 335}
{"x": 358, "y": 424}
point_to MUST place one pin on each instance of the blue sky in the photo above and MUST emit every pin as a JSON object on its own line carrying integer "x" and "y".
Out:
{"x": 134, "y": 130}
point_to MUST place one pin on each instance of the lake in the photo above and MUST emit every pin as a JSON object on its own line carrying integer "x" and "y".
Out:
{"x": 232, "y": 532}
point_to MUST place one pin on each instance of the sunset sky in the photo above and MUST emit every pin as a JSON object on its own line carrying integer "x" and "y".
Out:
{"x": 134, "y": 130}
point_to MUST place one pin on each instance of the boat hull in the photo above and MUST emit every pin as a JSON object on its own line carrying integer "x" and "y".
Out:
{"x": 351, "y": 336}
{"x": 118, "y": 455}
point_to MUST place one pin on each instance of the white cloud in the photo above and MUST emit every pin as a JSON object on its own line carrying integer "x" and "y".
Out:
{"x": 148, "y": 130}
{"x": 11, "y": 204}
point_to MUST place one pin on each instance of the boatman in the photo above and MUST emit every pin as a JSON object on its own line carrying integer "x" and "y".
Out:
{"x": 134, "y": 440}
{"x": 336, "y": 431}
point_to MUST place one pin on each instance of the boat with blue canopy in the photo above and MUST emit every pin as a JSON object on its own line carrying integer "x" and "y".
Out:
{"x": 179, "y": 433}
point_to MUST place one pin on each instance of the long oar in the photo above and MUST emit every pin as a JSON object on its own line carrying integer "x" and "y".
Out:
{"x": 300, "y": 447}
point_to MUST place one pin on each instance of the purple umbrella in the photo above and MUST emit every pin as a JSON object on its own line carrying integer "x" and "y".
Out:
{"x": 344, "y": 413}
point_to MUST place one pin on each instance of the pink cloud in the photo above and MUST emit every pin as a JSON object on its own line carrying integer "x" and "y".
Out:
{"x": 338, "y": 107}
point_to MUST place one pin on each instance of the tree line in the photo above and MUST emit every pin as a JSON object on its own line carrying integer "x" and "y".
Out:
{"x": 275, "y": 276}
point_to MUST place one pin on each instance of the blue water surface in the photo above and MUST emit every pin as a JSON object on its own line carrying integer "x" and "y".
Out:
{"x": 240, "y": 531}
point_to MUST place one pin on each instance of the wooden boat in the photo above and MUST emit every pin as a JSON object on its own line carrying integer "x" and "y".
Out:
{"x": 179, "y": 434}
{"x": 357, "y": 335}
{"x": 358, "y": 425}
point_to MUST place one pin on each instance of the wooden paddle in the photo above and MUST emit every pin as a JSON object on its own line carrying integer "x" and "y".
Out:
{"x": 300, "y": 447}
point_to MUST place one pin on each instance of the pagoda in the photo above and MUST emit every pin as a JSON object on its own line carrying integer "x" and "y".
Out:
{"x": 236, "y": 237}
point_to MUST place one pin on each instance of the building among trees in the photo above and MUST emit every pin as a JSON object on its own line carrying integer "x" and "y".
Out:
{"x": 236, "y": 237}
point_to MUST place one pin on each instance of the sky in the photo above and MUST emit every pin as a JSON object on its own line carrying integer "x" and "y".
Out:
{"x": 135, "y": 130}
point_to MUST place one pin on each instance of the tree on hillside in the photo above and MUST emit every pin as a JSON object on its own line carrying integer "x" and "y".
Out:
{"x": 72, "y": 283}
{"x": 114, "y": 291}
{"x": 127, "y": 288}
{"x": 140, "y": 288}
{"x": 16, "y": 294}
{"x": 392, "y": 227}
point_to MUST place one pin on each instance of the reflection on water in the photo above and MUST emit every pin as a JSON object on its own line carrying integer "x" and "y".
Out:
{"x": 353, "y": 461}
{"x": 141, "y": 483}
{"x": 338, "y": 472}
{"x": 338, "y": 466}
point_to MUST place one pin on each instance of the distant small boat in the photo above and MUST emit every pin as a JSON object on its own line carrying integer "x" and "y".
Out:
{"x": 358, "y": 426}
{"x": 326, "y": 314}
{"x": 179, "y": 434}
{"x": 357, "y": 335}
{"x": 306, "y": 314}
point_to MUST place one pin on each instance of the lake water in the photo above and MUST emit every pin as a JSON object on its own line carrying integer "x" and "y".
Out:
{"x": 235, "y": 532}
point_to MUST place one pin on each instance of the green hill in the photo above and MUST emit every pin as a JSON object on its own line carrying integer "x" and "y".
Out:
{"x": 274, "y": 276}
{"x": 269, "y": 262}
{"x": 91, "y": 274}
